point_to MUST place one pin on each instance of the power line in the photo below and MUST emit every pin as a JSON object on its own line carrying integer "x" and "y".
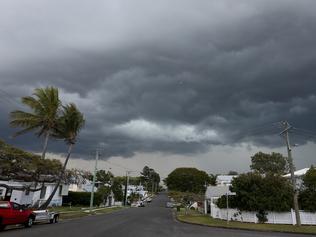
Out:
{"x": 9, "y": 98}
{"x": 306, "y": 132}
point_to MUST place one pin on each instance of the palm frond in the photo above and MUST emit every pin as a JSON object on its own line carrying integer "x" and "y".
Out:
{"x": 23, "y": 119}
{"x": 69, "y": 124}
{"x": 26, "y": 130}
{"x": 31, "y": 102}
{"x": 45, "y": 106}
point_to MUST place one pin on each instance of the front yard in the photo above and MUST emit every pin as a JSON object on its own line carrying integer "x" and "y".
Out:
{"x": 196, "y": 218}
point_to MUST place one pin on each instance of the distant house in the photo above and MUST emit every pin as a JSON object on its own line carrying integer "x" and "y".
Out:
{"x": 136, "y": 189}
{"x": 224, "y": 180}
{"x": 212, "y": 194}
{"x": 84, "y": 186}
{"x": 298, "y": 174}
{"x": 32, "y": 198}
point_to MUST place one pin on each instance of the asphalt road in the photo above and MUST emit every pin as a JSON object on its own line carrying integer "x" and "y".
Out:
{"x": 150, "y": 221}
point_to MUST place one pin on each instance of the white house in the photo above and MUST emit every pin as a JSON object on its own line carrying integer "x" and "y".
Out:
{"x": 85, "y": 186}
{"x": 212, "y": 194}
{"x": 137, "y": 189}
{"x": 298, "y": 174}
{"x": 224, "y": 180}
{"x": 32, "y": 198}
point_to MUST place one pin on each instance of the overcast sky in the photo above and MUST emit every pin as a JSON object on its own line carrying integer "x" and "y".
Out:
{"x": 167, "y": 83}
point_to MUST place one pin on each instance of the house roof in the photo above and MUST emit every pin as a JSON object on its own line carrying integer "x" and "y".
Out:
{"x": 216, "y": 191}
{"x": 225, "y": 178}
{"x": 297, "y": 173}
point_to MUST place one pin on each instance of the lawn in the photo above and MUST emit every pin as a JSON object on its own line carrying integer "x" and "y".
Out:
{"x": 196, "y": 218}
{"x": 77, "y": 212}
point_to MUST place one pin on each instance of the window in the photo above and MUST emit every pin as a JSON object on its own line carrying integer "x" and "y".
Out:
{"x": 1, "y": 192}
{"x": 60, "y": 190}
{"x": 16, "y": 206}
{"x": 27, "y": 192}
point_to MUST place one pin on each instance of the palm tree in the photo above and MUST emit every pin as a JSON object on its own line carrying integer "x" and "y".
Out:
{"x": 69, "y": 126}
{"x": 45, "y": 107}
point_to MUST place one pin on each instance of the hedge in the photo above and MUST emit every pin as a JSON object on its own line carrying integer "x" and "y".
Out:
{"x": 82, "y": 199}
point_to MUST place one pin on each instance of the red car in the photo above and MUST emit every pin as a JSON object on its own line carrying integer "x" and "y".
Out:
{"x": 12, "y": 213}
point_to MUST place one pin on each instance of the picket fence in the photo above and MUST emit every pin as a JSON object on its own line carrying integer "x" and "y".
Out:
{"x": 307, "y": 218}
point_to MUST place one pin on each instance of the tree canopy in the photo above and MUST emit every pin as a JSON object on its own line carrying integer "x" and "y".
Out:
{"x": 150, "y": 178}
{"x": 307, "y": 197}
{"x": 105, "y": 177}
{"x": 274, "y": 163}
{"x": 187, "y": 180}
{"x": 18, "y": 164}
{"x": 255, "y": 192}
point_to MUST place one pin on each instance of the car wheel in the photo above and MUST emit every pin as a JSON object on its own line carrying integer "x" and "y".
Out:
{"x": 2, "y": 227}
{"x": 54, "y": 220}
{"x": 29, "y": 222}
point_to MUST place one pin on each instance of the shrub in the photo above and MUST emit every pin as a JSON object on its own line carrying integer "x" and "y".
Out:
{"x": 82, "y": 198}
{"x": 262, "y": 216}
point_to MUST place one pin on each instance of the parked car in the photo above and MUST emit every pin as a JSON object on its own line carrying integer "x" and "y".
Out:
{"x": 134, "y": 204}
{"x": 169, "y": 204}
{"x": 148, "y": 199}
{"x": 46, "y": 216}
{"x": 12, "y": 213}
{"x": 140, "y": 204}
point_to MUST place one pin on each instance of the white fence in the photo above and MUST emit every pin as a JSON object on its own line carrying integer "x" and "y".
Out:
{"x": 307, "y": 218}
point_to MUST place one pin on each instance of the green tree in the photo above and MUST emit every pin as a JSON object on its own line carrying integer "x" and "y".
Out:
{"x": 212, "y": 179}
{"x": 155, "y": 177}
{"x": 145, "y": 176}
{"x": 117, "y": 189}
{"x": 21, "y": 165}
{"x": 43, "y": 118}
{"x": 18, "y": 164}
{"x": 307, "y": 197}
{"x": 133, "y": 197}
{"x": 309, "y": 179}
{"x": 105, "y": 177}
{"x": 69, "y": 125}
{"x": 104, "y": 192}
{"x": 274, "y": 163}
{"x": 232, "y": 172}
{"x": 77, "y": 176}
{"x": 255, "y": 192}
{"x": 134, "y": 180}
{"x": 150, "y": 178}
{"x": 187, "y": 180}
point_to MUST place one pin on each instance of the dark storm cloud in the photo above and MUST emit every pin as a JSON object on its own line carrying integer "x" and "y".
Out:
{"x": 170, "y": 77}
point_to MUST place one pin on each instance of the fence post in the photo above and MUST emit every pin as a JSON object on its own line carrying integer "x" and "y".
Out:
{"x": 293, "y": 217}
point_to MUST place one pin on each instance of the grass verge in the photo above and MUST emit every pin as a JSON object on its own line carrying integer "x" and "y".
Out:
{"x": 200, "y": 219}
{"x": 77, "y": 212}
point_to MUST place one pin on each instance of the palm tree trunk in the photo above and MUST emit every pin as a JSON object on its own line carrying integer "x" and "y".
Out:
{"x": 45, "y": 144}
{"x": 47, "y": 202}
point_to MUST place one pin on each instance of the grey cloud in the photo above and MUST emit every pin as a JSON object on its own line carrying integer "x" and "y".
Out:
{"x": 226, "y": 66}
